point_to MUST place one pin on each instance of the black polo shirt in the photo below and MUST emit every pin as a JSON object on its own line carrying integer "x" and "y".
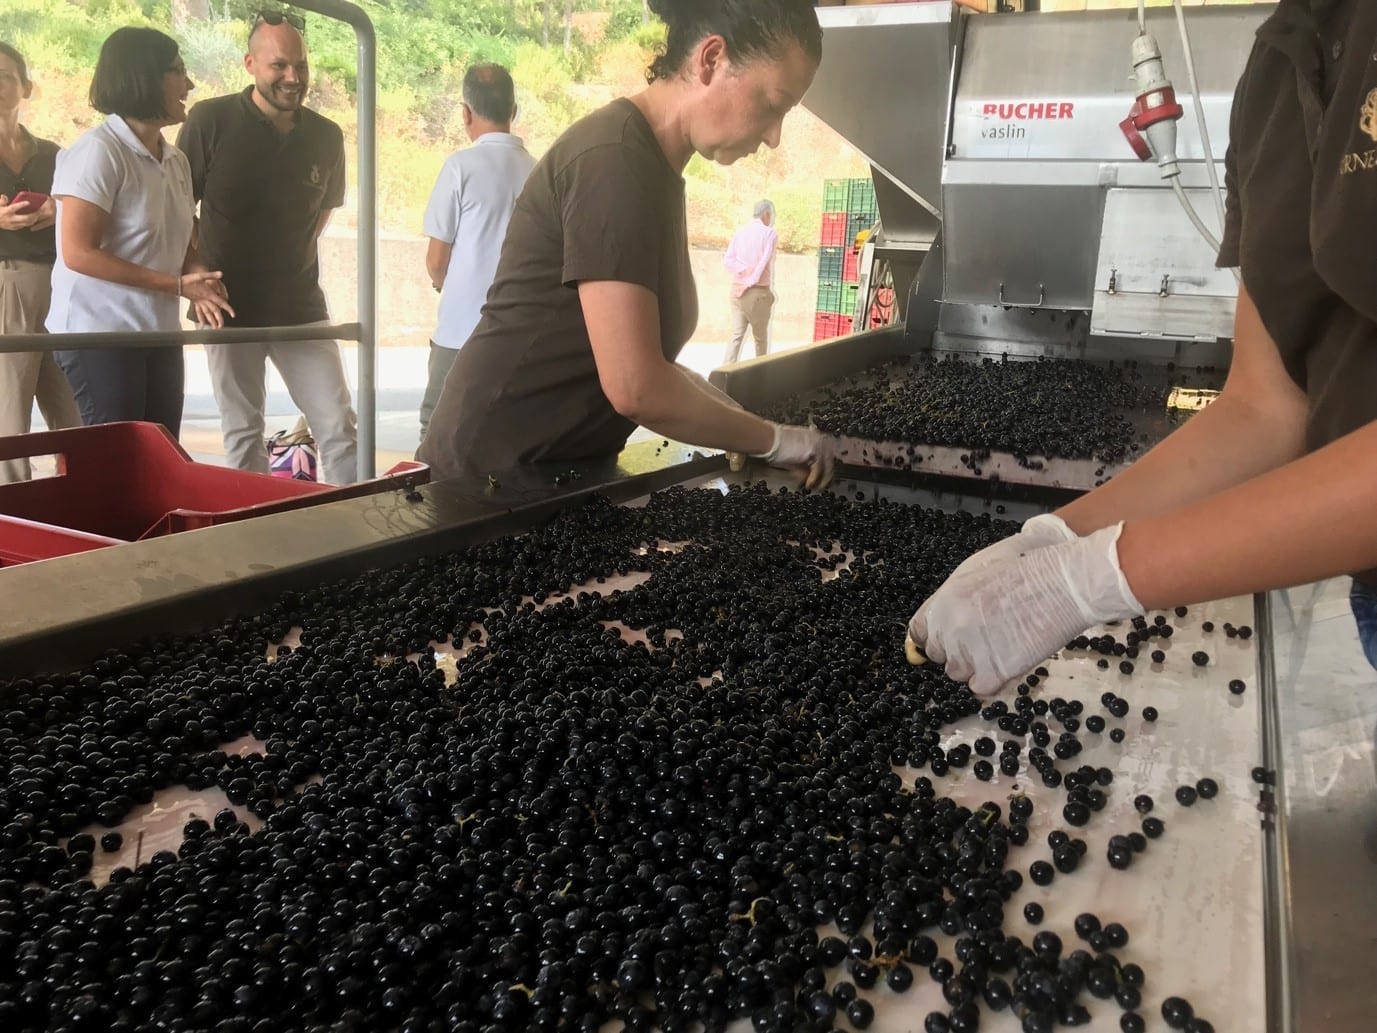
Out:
{"x": 262, "y": 195}
{"x": 1302, "y": 206}
{"x": 36, "y": 177}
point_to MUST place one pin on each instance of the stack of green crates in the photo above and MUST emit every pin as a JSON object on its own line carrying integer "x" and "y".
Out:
{"x": 837, "y": 288}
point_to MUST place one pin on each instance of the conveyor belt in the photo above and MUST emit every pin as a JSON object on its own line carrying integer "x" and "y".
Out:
{"x": 1193, "y": 903}
{"x": 862, "y": 360}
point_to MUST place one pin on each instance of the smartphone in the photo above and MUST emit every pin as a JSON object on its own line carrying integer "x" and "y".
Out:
{"x": 31, "y": 201}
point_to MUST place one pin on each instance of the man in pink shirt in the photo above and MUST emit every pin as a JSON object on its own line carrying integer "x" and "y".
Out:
{"x": 751, "y": 260}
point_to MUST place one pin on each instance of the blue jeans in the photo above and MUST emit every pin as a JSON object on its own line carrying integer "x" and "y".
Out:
{"x": 1363, "y": 599}
{"x": 127, "y": 384}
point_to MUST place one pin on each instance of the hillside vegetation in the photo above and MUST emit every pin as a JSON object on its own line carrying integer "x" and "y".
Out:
{"x": 567, "y": 56}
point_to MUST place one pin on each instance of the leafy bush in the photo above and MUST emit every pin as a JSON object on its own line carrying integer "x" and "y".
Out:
{"x": 55, "y": 35}
{"x": 425, "y": 46}
{"x": 651, "y": 36}
{"x": 625, "y": 20}
{"x": 214, "y": 57}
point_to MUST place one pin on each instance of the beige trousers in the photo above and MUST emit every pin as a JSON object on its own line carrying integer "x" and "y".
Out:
{"x": 314, "y": 374}
{"x": 752, "y": 310}
{"x": 25, "y": 289}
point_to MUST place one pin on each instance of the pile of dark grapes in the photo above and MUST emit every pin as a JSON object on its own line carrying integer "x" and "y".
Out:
{"x": 583, "y": 829}
{"x": 1055, "y": 408}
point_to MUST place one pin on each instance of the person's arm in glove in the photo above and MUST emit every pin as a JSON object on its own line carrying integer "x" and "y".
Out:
{"x": 623, "y": 321}
{"x": 806, "y": 449}
{"x": 803, "y": 448}
{"x": 1036, "y": 533}
{"x": 995, "y": 623}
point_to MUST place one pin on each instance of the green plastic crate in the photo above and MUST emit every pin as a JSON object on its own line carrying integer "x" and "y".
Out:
{"x": 849, "y": 293}
{"x": 836, "y": 195}
{"x": 830, "y": 298}
{"x": 860, "y": 196}
{"x": 830, "y": 264}
{"x": 858, "y": 221}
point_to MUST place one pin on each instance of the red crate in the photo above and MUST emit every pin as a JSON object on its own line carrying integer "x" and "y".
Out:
{"x": 122, "y": 482}
{"x": 833, "y": 229}
{"x": 851, "y": 264}
{"x": 827, "y": 325}
{"x": 23, "y": 541}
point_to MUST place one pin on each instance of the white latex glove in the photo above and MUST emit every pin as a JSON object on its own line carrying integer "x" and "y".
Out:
{"x": 1040, "y": 531}
{"x": 805, "y": 448}
{"x": 1036, "y": 533}
{"x": 993, "y": 624}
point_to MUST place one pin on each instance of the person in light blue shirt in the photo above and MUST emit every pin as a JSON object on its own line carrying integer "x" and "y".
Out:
{"x": 466, "y": 218}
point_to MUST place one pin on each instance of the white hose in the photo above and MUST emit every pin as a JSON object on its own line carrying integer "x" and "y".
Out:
{"x": 1199, "y": 110}
{"x": 1194, "y": 216}
{"x": 1142, "y": 17}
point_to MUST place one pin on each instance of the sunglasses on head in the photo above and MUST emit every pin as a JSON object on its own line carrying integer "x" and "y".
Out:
{"x": 296, "y": 21}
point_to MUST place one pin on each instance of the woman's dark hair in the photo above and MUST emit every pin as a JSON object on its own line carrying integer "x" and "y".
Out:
{"x": 751, "y": 29}
{"x": 129, "y": 73}
{"x": 8, "y": 51}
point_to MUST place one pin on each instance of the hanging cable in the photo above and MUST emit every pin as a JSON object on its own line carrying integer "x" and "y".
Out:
{"x": 1193, "y": 215}
{"x": 1199, "y": 106}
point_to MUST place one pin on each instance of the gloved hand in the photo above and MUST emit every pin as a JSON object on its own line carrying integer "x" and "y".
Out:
{"x": 1038, "y": 532}
{"x": 994, "y": 623}
{"x": 804, "y": 448}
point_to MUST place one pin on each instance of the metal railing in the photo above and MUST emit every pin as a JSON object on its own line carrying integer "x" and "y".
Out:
{"x": 365, "y": 331}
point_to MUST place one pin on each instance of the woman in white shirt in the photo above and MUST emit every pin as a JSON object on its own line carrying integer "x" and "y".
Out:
{"x": 126, "y": 253}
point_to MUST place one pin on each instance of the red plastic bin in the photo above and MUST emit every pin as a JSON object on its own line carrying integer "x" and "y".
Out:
{"x": 851, "y": 262}
{"x": 833, "y": 229}
{"x": 122, "y": 482}
{"x": 827, "y": 325}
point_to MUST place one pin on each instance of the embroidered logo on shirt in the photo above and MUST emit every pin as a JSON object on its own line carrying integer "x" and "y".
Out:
{"x": 1367, "y": 121}
{"x": 314, "y": 176}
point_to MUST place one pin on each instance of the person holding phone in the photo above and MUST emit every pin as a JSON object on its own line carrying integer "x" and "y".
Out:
{"x": 28, "y": 248}
{"x": 126, "y": 253}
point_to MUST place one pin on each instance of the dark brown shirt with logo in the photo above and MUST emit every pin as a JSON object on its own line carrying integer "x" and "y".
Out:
{"x": 603, "y": 204}
{"x": 262, "y": 194}
{"x": 1302, "y": 205}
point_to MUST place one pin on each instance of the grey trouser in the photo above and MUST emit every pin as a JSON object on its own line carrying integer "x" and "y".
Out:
{"x": 25, "y": 289}
{"x": 439, "y": 364}
{"x": 751, "y": 309}
{"x": 314, "y": 374}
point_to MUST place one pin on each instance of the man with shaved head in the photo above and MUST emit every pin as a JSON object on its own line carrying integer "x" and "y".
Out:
{"x": 268, "y": 172}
